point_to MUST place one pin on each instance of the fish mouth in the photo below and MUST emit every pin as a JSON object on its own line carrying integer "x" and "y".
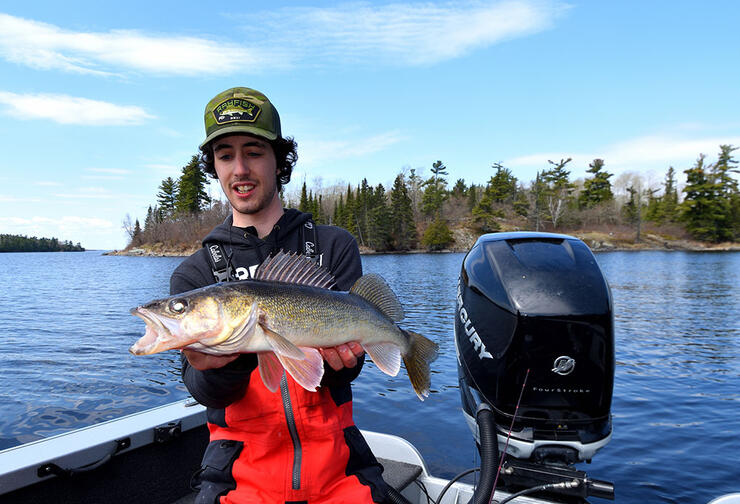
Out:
{"x": 156, "y": 337}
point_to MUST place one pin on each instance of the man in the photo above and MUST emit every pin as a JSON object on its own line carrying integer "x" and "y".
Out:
{"x": 291, "y": 446}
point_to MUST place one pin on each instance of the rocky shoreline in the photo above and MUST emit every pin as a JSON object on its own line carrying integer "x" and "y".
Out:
{"x": 598, "y": 242}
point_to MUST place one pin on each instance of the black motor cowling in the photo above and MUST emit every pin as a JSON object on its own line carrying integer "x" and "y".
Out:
{"x": 537, "y": 302}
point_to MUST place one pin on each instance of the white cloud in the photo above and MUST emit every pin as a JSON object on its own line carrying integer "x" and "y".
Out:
{"x": 409, "y": 33}
{"x": 65, "y": 109}
{"x": 86, "y": 193}
{"x": 15, "y": 199}
{"x": 110, "y": 171}
{"x": 651, "y": 153}
{"x": 46, "y": 46}
{"x": 313, "y": 152}
{"x": 396, "y": 33}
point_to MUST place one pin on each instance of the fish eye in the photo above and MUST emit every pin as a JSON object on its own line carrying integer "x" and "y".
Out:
{"x": 178, "y": 305}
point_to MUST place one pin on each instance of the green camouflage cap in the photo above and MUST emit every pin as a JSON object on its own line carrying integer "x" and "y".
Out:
{"x": 241, "y": 110}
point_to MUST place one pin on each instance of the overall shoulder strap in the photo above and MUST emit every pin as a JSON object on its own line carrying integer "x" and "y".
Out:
{"x": 310, "y": 239}
{"x": 220, "y": 265}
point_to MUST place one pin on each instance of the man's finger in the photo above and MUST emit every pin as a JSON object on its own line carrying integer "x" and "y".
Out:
{"x": 347, "y": 355}
{"x": 331, "y": 356}
{"x": 356, "y": 348}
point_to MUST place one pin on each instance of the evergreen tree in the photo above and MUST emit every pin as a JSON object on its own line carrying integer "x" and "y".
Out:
{"x": 459, "y": 190}
{"x": 521, "y": 203}
{"x": 502, "y": 185}
{"x": 632, "y": 210}
{"x": 350, "y": 214}
{"x": 136, "y": 238}
{"x": 665, "y": 208}
{"x": 167, "y": 196}
{"x": 192, "y": 196}
{"x": 711, "y": 208}
{"x": 596, "y": 189}
{"x": 473, "y": 196}
{"x": 378, "y": 220}
{"x": 402, "y": 226}
{"x": 435, "y": 190}
{"x": 415, "y": 184}
{"x": 437, "y": 235}
{"x": 559, "y": 189}
{"x": 538, "y": 200}
{"x": 303, "y": 203}
{"x": 501, "y": 188}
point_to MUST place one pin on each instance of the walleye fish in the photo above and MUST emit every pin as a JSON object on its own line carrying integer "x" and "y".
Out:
{"x": 284, "y": 315}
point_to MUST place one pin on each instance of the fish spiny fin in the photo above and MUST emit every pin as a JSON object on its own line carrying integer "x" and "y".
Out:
{"x": 307, "y": 372}
{"x": 373, "y": 289}
{"x": 280, "y": 345}
{"x": 295, "y": 269}
{"x": 387, "y": 356}
{"x": 271, "y": 371}
{"x": 421, "y": 352}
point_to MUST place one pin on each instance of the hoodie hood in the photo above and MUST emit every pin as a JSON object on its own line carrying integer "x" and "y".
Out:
{"x": 239, "y": 237}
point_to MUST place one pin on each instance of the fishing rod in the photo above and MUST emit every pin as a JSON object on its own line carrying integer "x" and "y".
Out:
{"x": 508, "y": 436}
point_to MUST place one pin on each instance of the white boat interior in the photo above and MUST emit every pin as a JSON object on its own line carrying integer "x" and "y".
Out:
{"x": 150, "y": 456}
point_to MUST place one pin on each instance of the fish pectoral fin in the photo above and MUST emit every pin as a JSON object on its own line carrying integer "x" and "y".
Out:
{"x": 245, "y": 329}
{"x": 387, "y": 356}
{"x": 280, "y": 345}
{"x": 271, "y": 371}
{"x": 307, "y": 372}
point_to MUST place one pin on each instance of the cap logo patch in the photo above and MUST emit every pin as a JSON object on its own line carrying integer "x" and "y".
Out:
{"x": 236, "y": 109}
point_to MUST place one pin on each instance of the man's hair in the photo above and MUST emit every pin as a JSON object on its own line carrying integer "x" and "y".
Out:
{"x": 286, "y": 155}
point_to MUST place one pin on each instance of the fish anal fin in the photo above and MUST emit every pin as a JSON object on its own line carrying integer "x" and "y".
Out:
{"x": 373, "y": 289}
{"x": 307, "y": 372}
{"x": 387, "y": 356}
{"x": 271, "y": 371}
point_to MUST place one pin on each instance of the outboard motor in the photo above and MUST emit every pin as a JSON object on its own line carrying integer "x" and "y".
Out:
{"x": 536, "y": 307}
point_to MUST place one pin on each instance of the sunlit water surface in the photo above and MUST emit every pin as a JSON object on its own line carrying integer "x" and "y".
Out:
{"x": 65, "y": 329}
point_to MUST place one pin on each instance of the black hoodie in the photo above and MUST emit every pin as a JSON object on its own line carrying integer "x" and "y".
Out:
{"x": 217, "y": 388}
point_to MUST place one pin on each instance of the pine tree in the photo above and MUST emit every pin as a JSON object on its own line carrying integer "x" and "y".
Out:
{"x": 502, "y": 185}
{"x": 435, "y": 191}
{"x": 559, "y": 189}
{"x": 596, "y": 189}
{"x": 711, "y": 206}
{"x": 192, "y": 196}
{"x": 167, "y": 196}
{"x": 303, "y": 203}
{"x": 378, "y": 222}
{"x": 437, "y": 235}
{"x": 538, "y": 196}
{"x": 401, "y": 219}
{"x": 665, "y": 208}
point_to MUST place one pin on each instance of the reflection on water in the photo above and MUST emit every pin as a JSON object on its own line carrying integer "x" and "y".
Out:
{"x": 65, "y": 362}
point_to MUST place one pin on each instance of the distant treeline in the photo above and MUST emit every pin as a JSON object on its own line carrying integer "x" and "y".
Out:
{"x": 17, "y": 243}
{"x": 419, "y": 212}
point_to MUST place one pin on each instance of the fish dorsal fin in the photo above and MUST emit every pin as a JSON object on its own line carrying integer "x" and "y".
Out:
{"x": 373, "y": 289}
{"x": 295, "y": 269}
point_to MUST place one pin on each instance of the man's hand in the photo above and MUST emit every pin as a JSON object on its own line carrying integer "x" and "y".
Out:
{"x": 344, "y": 355}
{"x": 202, "y": 361}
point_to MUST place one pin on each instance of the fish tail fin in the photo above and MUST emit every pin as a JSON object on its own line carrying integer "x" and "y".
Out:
{"x": 422, "y": 352}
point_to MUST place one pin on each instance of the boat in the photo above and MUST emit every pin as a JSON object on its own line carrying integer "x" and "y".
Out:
{"x": 519, "y": 296}
{"x": 149, "y": 457}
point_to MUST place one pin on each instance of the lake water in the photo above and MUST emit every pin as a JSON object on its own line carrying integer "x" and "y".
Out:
{"x": 64, "y": 364}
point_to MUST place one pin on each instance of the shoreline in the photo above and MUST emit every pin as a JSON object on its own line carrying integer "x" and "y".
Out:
{"x": 597, "y": 243}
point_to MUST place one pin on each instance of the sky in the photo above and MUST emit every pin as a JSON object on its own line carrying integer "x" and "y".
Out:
{"x": 99, "y": 102}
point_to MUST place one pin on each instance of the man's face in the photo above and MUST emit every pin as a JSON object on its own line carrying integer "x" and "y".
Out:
{"x": 246, "y": 167}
